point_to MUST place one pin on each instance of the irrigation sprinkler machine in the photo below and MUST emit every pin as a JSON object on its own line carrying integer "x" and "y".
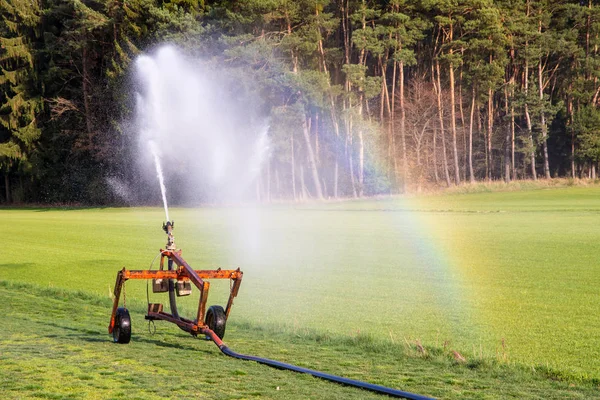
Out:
{"x": 176, "y": 280}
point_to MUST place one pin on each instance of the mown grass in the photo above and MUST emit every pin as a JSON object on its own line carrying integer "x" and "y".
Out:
{"x": 529, "y": 263}
{"x": 507, "y": 279}
{"x": 54, "y": 345}
{"x": 526, "y": 266}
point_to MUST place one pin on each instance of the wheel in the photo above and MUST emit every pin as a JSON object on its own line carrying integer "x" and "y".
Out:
{"x": 216, "y": 319}
{"x": 122, "y": 329}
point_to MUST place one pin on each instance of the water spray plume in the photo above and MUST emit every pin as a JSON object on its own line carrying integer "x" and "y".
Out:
{"x": 213, "y": 130}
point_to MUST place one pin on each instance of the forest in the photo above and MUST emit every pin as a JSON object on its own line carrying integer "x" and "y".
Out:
{"x": 363, "y": 97}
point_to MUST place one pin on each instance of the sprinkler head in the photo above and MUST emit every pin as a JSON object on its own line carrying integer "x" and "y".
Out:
{"x": 168, "y": 227}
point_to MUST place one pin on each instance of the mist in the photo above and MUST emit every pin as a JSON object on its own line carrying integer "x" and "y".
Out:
{"x": 209, "y": 139}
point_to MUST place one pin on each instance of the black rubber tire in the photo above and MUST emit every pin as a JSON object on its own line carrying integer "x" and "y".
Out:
{"x": 216, "y": 320}
{"x": 122, "y": 328}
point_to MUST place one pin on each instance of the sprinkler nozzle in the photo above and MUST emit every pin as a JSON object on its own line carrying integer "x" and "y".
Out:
{"x": 168, "y": 227}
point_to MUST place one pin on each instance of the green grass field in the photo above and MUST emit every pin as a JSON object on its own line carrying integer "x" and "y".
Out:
{"x": 510, "y": 280}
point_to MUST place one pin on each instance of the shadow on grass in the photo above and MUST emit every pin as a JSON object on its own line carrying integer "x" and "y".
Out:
{"x": 17, "y": 265}
{"x": 83, "y": 331}
{"x": 93, "y": 336}
{"x": 42, "y": 208}
{"x": 68, "y": 208}
{"x": 179, "y": 346}
{"x": 88, "y": 339}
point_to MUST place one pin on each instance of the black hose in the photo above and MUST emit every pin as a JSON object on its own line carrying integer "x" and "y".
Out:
{"x": 172, "y": 298}
{"x": 338, "y": 379}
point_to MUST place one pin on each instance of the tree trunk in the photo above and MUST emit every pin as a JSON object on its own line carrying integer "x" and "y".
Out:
{"x": 462, "y": 120}
{"x": 317, "y": 146}
{"x": 362, "y": 60}
{"x": 570, "y": 123}
{"x": 435, "y": 160}
{"x": 490, "y": 125}
{"x": 312, "y": 161}
{"x": 441, "y": 118}
{"x": 512, "y": 115}
{"x": 528, "y": 120}
{"x": 543, "y": 124}
{"x": 434, "y": 139}
{"x": 403, "y": 129}
{"x": 348, "y": 145}
{"x": 335, "y": 177}
{"x": 507, "y": 140}
{"x": 7, "y": 188}
{"x": 573, "y": 155}
{"x": 293, "y": 167}
{"x": 471, "y": 175}
{"x": 334, "y": 119}
{"x": 361, "y": 153}
{"x": 389, "y": 107}
{"x": 345, "y": 9}
{"x": 361, "y": 164}
{"x": 453, "y": 125}
{"x": 391, "y": 127}
{"x": 512, "y": 131}
{"x": 86, "y": 95}
{"x": 453, "y": 113}
{"x": 303, "y": 185}
{"x": 382, "y": 103}
{"x": 419, "y": 167}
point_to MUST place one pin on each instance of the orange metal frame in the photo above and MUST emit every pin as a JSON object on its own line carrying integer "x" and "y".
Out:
{"x": 182, "y": 272}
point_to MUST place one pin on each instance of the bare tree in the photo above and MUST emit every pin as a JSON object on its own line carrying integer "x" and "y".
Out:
{"x": 421, "y": 112}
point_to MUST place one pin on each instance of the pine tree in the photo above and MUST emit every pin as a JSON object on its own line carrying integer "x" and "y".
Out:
{"x": 21, "y": 102}
{"x": 586, "y": 128}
